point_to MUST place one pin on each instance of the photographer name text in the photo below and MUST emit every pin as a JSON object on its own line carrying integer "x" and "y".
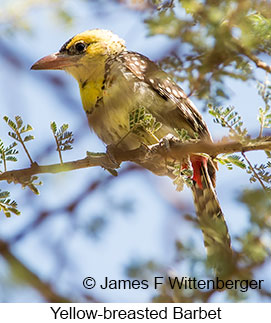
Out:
{"x": 174, "y": 283}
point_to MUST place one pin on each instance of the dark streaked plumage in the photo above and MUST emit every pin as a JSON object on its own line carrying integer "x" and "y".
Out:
{"x": 113, "y": 83}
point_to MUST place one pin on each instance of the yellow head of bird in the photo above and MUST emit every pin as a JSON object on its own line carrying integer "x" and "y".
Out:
{"x": 88, "y": 47}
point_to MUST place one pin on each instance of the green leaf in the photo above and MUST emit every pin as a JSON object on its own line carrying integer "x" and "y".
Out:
{"x": 230, "y": 119}
{"x": 14, "y": 211}
{"x": 230, "y": 160}
{"x": 13, "y": 135}
{"x": 27, "y": 128}
{"x": 64, "y": 127}
{"x": 11, "y": 158}
{"x": 19, "y": 121}
{"x": 34, "y": 189}
{"x": 140, "y": 119}
{"x": 30, "y": 182}
{"x": 236, "y": 160}
{"x": 10, "y": 147}
{"x": 53, "y": 127}
{"x": 28, "y": 138}
{"x": 6, "y": 205}
{"x": 4, "y": 194}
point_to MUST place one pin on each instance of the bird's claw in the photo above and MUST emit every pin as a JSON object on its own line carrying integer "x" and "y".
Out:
{"x": 110, "y": 152}
{"x": 108, "y": 161}
{"x": 167, "y": 140}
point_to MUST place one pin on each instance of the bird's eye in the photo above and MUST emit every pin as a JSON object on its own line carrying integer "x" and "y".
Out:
{"x": 80, "y": 47}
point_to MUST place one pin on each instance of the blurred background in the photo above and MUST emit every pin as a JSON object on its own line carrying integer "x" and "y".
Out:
{"x": 89, "y": 223}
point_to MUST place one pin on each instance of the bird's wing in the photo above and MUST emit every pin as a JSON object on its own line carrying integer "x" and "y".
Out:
{"x": 159, "y": 81}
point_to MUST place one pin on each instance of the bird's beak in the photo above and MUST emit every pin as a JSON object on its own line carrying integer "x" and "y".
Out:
{"x": 56, "y": 61}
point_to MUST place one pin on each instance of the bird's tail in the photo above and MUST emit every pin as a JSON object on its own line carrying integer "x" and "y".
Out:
{"x": 210, "y": 216}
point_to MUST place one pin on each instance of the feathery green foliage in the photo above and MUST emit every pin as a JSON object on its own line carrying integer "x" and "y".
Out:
{"x": 140, "y": 119}
{"x": 7, "y": 205}
{"x": 63, "y": 138}
{"x": 214, "y": 41}
{"x": 183, "y": 136}
{"x": 7, "y": 153}
{"x": 32, "y": 183}
{"x": 264, "y": 117}
{"x": 229, "y": 118}
{"x": 18, "y": 129}
{"x": 262, "y": 171}
{"x": 230, "y": 160}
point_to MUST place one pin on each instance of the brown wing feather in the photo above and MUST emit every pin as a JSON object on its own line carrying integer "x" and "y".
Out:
{"x": 146, "y": 70}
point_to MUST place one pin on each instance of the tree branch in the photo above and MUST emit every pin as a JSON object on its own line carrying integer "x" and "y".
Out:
{"x": 28, "y": 276}
{"x": 142, "y": 155}
{"x": 259, "y": 63}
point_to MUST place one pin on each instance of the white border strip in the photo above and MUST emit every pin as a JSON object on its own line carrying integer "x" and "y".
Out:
{"x": 136, "y": 312}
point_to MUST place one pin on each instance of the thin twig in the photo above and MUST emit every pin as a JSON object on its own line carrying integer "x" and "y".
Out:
{"x": 58, "y": 149}
{"x": 24, "y": 147}
{"x": 259, "y": 63}
{"x": 254, "y": 172}
{"x": 4, "y": 162}
{"x": 28, "y": 276}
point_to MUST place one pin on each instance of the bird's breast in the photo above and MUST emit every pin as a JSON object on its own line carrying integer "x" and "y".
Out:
{"x": 110, "y": 117}
{"x": 90, "y": 92}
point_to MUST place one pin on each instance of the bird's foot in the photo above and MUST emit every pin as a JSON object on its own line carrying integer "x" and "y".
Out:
{"x": 111, "y": 153}
{"x": 167, "y": 140}
{"x": 107, "y": 160}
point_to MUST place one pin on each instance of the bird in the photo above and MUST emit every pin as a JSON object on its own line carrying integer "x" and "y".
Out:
{"x": 114, "y": 85}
